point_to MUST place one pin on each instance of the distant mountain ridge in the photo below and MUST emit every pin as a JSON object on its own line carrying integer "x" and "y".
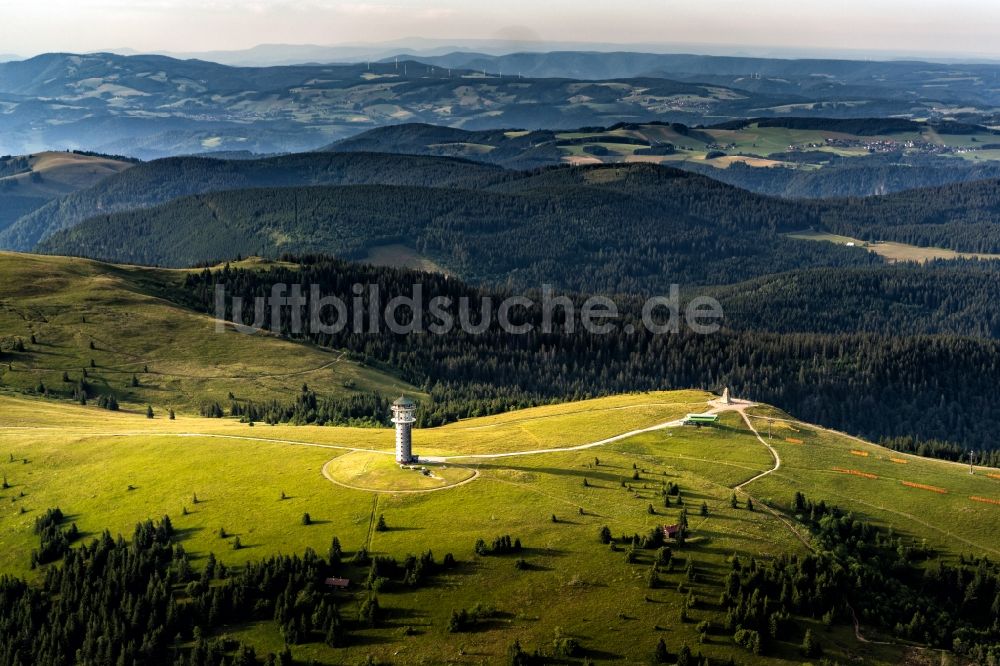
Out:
{"x": 154, "y": 106}
{"x": 815, "y": 74}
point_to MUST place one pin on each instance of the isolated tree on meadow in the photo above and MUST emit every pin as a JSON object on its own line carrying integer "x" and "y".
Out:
{"x": 660, "y": 654}
{"x": 605, "y": 535}
{"x": 172, "y": 416}
{"x": 733, "y": 501}
{"x": 652, "y": 581}
{"x": 704, "y": 508}
{"x": 516, "y": 656}
{"x": 149, "y": 411}
{"x": 381, "y": 525}
{"x": 306, "y": 519}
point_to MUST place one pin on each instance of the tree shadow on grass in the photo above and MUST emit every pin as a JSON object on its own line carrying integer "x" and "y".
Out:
{"x": 600, "y": 655}
{"x": 534, "y": 566}
{"x": 358, "y": 639}
{"x": 590, "y": 474}
{"x": 185, "y": 533}
{"x": 546, "y": 552}
{"x": 393, "y": 614}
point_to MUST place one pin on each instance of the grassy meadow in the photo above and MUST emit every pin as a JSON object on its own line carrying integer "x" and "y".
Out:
{"x": 108, "y": 321}
{"x": 919, "y": 497}
{"x": 754, "y": 145}
{"x": 892, "y": 250}
{"x": 110, "y": 470}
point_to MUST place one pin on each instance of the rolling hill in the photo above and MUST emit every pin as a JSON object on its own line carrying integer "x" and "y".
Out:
{"x": 633, "y": 229}
{"x": 926, "y": 358}
{"x": 789, "y": 157}
{"x": 155, "y": 106}
{"x": 104, "y": 330}
{"x": 817, "y": 78}
{"x": 30, "y": 181}
{"x": 942, "y": 298}
{"x": 486, "y": 226}
{"x": 240, "y": 493}
{"x": 160, "y": 181}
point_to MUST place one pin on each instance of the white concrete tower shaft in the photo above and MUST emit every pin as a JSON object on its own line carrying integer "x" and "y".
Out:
{"x": 403, "y": 415}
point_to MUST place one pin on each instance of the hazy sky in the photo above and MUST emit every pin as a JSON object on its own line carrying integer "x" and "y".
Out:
{"x": 911, "y": 26}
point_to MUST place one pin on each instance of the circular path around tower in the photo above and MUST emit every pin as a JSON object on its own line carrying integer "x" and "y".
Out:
{"x": 379, "y": 472}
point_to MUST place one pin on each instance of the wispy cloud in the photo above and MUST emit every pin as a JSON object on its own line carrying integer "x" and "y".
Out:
{"x": 395, "y": 11}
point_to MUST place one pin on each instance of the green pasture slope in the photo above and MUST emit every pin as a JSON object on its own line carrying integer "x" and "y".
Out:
{"x": 110, "y": 470}
{"x": 109, "y": 321}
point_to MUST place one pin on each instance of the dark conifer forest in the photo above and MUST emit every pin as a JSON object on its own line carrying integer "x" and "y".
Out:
{"x": 920, "y": 385}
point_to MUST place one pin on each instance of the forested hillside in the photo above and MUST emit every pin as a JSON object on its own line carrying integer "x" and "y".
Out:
{"x": 619, "y": 228}
{"x": 868, "y": 384}
{"x": 789, "y": 157}
{"x": 160, "y": 181}
{"x": 951, "y": 297}
{"x": 611, "y": 230}
{"x": 844, "y": 178}
{"x": 960, "y": 217}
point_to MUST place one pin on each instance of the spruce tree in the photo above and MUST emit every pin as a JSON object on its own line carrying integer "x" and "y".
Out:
{"x": 810, "y": 646}
{"x": 661, "y": 655}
